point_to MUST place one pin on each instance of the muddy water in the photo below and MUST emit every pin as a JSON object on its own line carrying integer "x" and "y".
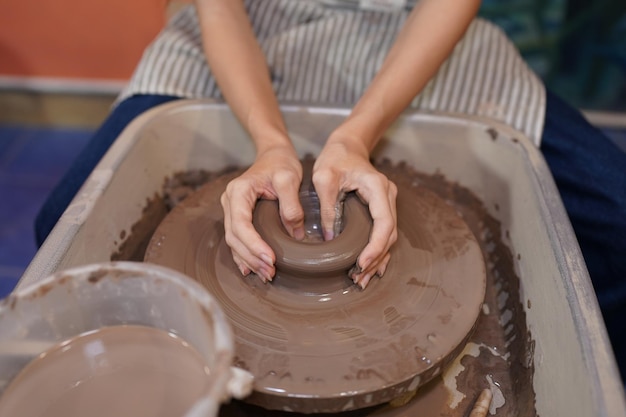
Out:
{"x": 115, "y": 371}
{"x": 498, "y": 354}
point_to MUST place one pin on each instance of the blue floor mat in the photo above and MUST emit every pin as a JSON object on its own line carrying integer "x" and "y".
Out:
{"x": 32, "y": 160}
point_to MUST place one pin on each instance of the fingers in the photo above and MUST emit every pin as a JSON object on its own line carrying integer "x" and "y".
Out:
{"x": 379, "y": 194}
{"x": 376, "y": 267}
{"x": 327, "y": 189}
{"x": 250, "y": 252}
{"x": 286, "y": 186}
{"x": 275, "y": 174}
{"x": 243, "y": 268}
{"x": 381, "y": 199}
{"x": 364, "y": 278}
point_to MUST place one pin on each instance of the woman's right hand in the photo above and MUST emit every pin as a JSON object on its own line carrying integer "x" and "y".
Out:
{"x": 343, "y": 166}
{"x": 276, "y": 174}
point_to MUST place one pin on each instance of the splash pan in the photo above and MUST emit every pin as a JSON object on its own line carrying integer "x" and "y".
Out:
{"x": 542, "y": 284}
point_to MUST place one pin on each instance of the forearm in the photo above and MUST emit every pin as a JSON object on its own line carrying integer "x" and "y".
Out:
{"x": 430, "y": 33}
{"x": 240, "y": 69}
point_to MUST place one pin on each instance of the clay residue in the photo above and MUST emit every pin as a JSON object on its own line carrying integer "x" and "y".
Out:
{"x": 502, "y": 352}
{"x": 174, "y": 190}
{"x": 135, "y": 244}
{"x": 498, "y": 354}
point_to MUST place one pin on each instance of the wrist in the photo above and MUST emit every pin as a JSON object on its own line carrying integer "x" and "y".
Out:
{"x": 342, "y": 142}
{"x": 274, "y": 143}
{"x": 363, "y": 128}
{"x": 269, "y": 133}
{"x": 357, "y": 138}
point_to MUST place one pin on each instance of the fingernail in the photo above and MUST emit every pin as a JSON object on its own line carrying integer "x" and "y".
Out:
{"x": 261, "y": 277}
{"x": 266, "y": 274}
{"x": 267, "y": 259}
{"x": 244, "y": 271}
{"x": 366, "y": 279}
{"x": 355, "y": 270}
{"x": 298, "y": 233}
{"x": 329, "y": 235}
{"x": 357, "y": 278}
{"x": 364, "y": 264}
{"x": 381, "y": 271}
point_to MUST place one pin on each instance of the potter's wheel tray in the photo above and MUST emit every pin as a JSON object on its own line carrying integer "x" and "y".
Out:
{"x": 336, "y": 348}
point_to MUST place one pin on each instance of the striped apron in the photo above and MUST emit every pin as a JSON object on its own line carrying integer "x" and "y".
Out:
{"x": 321, "y": 53}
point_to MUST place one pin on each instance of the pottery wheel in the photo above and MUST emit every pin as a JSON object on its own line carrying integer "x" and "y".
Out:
{"x": 334, "y": 347}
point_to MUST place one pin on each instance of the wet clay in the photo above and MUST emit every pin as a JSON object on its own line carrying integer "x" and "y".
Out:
{"x": 320, "y": 346}
{"x": 313, "y": 257}
{"x": 115, "y": 371}
{"x": 498, "y": 354}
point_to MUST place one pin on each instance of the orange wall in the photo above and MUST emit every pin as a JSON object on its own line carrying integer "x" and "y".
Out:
{"x": 98, "y": 39}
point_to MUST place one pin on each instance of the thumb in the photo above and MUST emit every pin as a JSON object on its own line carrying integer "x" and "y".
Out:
{"x": 291, "y": 212}
{"x": 327, "y": 189}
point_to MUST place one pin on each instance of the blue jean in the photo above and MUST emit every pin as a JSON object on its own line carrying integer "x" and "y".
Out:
{"x": 589, "y": 170}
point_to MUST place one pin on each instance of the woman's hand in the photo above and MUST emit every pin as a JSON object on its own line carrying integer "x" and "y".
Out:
{"x": 344, "y": 166}
{"x": 238, "y": 64}
{"x": 419, "y": 49}
{"x": 275, "y": 175}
